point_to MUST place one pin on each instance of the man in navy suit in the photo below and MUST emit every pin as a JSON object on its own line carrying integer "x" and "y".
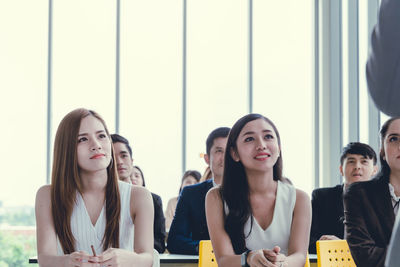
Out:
{"x": 357, "y": 163}
{"x": 189, "y": 225}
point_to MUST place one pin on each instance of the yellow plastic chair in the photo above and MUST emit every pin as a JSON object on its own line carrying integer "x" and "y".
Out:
{"x": 334, "y": 253}
{"x": 206, "y": 254}
{"x": 307, "y": 262}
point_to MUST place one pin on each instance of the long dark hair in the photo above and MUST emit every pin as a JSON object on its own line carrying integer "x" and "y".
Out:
{"x": 235, "y": 188}
{"x": 66, "y": 182}
{"x": 141, "y": 173}
{"x": 384, "y": 171}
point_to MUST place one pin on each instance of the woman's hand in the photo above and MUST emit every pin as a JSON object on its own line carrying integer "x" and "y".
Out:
{"x": 275, "y": 257}
{"x": 117, "y": 257}
{"x": 82, "y": 259}
{"x": 257, "y": 258}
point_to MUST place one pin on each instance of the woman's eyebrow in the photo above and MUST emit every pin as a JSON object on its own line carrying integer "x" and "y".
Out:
{"x": 99, "y": 131}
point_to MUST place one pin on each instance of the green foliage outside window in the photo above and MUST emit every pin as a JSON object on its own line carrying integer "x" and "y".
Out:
{"x": 15, "y": 250}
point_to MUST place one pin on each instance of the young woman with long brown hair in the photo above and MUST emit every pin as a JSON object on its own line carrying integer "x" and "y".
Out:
{"x": 85, "y": 211}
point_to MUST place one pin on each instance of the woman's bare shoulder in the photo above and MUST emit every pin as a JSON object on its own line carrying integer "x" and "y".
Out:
{"x": 43, "y": 193}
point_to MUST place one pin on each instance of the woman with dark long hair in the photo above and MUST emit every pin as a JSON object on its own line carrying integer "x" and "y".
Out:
{"x": 254, "y": 218}
{"x": 86, "y": 216}
{"x": 370, "y": 207}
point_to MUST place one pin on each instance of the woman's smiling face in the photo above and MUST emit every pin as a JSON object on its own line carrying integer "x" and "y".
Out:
{"x": 257, "y": 146}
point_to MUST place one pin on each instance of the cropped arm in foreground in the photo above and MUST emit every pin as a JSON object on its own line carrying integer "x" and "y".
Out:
{"x": 383, "y": 67}
{"x": 393, "y": 255}
{"x": 223, "y": 249}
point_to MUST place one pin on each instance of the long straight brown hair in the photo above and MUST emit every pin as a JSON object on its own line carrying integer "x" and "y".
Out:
{"x": 66, "y": 182}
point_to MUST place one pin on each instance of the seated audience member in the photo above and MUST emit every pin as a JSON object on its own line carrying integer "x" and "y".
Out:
{"x": 254, "y": 218}
{"x": 189, "y": 225}
{"x": 370, "y": 207}
{"x": 86, "y": 210}
{"x": 189, "y": 178}
{"x": 357, "y": 164}
{"x": 133, "y": 175}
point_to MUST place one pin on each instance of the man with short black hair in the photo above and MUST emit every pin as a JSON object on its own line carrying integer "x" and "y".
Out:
{"x": 189, "y": 225}
{"x": 357, "y": 164}
{"x": 123, "y": 156}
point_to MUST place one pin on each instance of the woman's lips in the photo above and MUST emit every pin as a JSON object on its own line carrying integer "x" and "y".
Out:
{"x": 262, "y": 156}
{"x": 97, "y": 156}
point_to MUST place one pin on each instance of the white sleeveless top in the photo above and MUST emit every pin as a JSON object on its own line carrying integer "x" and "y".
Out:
{"x": 278, "y": 232}
{"x": 87, "y": 234}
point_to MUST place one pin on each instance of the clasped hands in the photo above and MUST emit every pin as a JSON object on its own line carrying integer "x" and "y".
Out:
{"x": 110, "y": 257}
{"x": 267, "y": 257}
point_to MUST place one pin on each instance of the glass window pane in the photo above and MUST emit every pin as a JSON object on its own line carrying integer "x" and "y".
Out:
{"x": 283, "y": 81}
{"x": 23, "y": 83}
{"x": 151, "y": 90}
{"x": 84, "y": 58}
{"x": 363, "y": 55}
{"x": 217, "y": 71}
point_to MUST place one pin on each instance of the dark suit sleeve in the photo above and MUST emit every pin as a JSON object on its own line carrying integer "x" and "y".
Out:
{"x": 159, "y": 224}
{"x": 180, "y": 237}
{"x": 315, "y": 232}
{"x": 363, "y": 248}
{"x": 383, "y": 67}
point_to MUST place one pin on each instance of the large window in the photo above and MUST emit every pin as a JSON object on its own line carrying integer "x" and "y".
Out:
{"x": 283, "y": 81}
{"x": 23, "y": 100}
{"x": 172, "y": 83}
{"x": 151, "y": 90}
{"x": 217, "y": 71}
{"x": 83, "y": 58}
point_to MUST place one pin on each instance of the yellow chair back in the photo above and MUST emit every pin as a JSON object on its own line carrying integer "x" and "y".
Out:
{"x": 206, "y": 254}
{"x": 334, "y": 253}
{"x": 307, "y": 262}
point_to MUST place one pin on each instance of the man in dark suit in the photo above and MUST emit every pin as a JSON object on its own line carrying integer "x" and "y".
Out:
{"x": 357, "y": 163}
{"x": 126, "y": 173}
{"x": 189, "y": 225}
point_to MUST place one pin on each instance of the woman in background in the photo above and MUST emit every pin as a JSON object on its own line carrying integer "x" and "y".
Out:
{"x": 370, "y": 207}
{"x": 189, "y": 177}
{"x": 137, "y": 178}
{"x": 86, "y": 209}
{"x": 254, "y": 218}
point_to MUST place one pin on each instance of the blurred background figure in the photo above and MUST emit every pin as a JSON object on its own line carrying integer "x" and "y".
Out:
{"x": 137, "y": 178}
{"x": 190, "y": 177}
